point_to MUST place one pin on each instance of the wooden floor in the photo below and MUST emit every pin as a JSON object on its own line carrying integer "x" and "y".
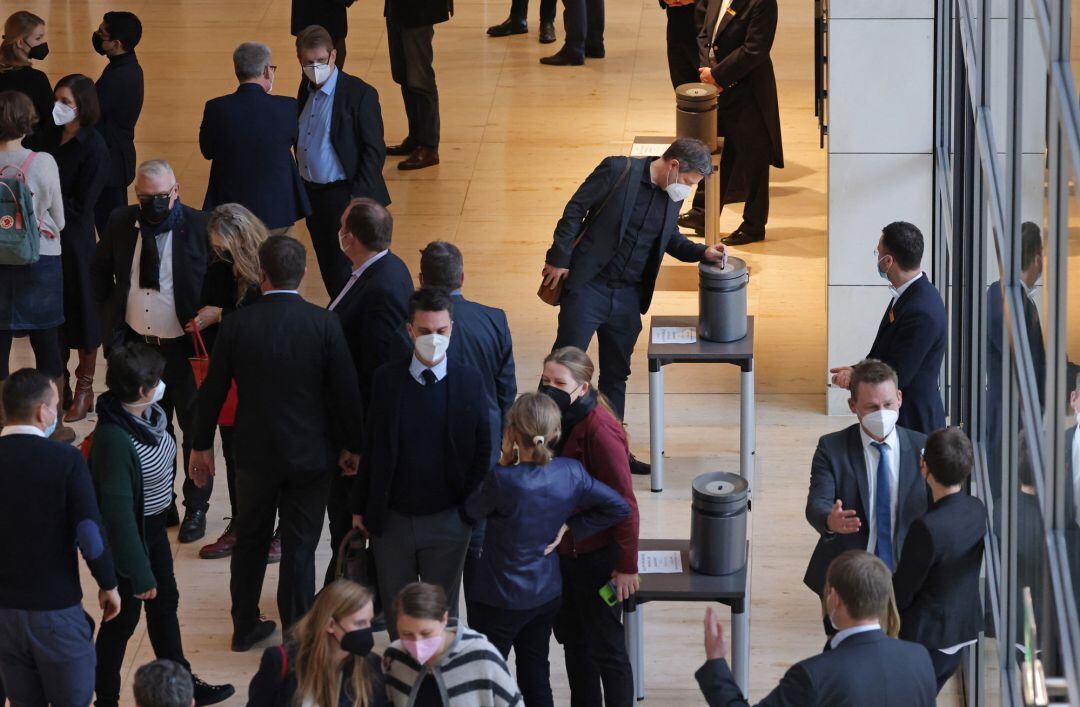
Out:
{"x": 517, "y": 140}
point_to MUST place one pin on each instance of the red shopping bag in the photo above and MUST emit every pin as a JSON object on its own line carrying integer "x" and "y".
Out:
{"x": 200, "y": 362}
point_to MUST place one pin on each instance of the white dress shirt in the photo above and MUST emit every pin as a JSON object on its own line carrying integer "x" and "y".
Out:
{"x": 897, "y": 292}
{"x": 356, "y": 276}
{"x": 153, "y": 312}
{"x": 21, "y": 430}
{"x": 870, "y": 454}
{"x": 417, "y": 368}
{"x": 862, "y": 628}
{"x": 724, "y": 7}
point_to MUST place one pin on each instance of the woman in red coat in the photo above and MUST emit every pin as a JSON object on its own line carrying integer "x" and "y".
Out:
{"x": 590, "y": 630}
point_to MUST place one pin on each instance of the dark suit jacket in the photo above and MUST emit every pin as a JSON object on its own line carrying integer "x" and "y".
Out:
{"x": 481, "y": 338}
{"x": 913, "y": 343}
{"x": 937, "y": 578}
{"x": 249, "y": 136}
{"x": 120, "y": 92}
{"x": 373, "y": 314}
{"x": 607, "y": 227}
{"x": 328, "y": 14}
{"x": 111, "y": 269}
{"x": 743, "y": 68}
{"x": 297, "y": 400}
{"x": 418, "y": 13}
{"x": 356, "y": 133}
{"x": 1032, "y": 326}
{"x": 466, "y": 439}
{"x": 839, "y": 472}
{"x": 865, "y": 669}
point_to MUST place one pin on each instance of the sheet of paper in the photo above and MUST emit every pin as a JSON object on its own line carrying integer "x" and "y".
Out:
{"x": 659, "y": 562}
{"x": 648, "y": 149}
{"x": 674, "y": 335}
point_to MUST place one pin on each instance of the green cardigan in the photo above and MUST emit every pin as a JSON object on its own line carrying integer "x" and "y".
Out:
{"x": 117, "y": 475}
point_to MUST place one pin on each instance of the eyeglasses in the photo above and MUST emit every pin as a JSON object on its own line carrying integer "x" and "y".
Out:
{"x": 272, "y": 67}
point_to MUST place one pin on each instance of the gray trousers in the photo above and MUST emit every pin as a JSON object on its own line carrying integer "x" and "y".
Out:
{"x": 412, "y": 65}
{"x": 420, "y": 548}
{"x": 47, "y": 657}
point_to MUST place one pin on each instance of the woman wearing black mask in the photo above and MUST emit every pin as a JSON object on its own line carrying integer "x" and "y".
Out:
{"x": 327, "y": 658}
{"x": 22, "y": 43}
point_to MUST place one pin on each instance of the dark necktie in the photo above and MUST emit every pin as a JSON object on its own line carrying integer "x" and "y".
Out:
{"x": 883, "y": 508}
{"x": 429, "y": 376}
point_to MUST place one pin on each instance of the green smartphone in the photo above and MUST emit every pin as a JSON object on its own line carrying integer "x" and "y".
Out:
{"x": 609, "y": 594}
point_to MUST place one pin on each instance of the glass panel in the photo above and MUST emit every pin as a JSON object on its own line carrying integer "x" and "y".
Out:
{"x": 991, "y": 673}
{"x": 997, "y": 355}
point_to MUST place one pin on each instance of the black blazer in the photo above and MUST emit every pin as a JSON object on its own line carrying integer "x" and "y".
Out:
{"x": 356, "y": 133}
{"x": 466, "y": 439}
{"x": 742, "y": 67}
{"x": 249, "y": 136}
{"x": 481, "y": 338}
{"x": 328, "y": 14}
{"x": 913, "y": 343}
{"x": 606, "y": 228}
{"x": 838, "y": 471}
{"x": 297, "y": 400}
{"x": 120, "y": 92}
{"x": 111, "y": 269}
{"x": 418, "y": 13}
{"x": 373, "y": 314}
{"x": 937, "y": 578}
{"x": 269, "y": 689}
{"x": 865, "y": 669}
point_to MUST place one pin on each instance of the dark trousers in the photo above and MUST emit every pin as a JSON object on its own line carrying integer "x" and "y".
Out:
{"x": 180, "y": 400}
{"x": 583, "y": 23}
{"x": 519, "y": 10}
{"x": 945, "y": 665}
{"x": 47, "y": 657}
{"x": 301, "y": 498}
{"x": 161, "y": 623}
{"x": 682, "y": 47}
{"x": 412, "y": 67}
{"x": 592, "y": 633}
{"x": 744, "y": 166}
{"x": 528, "y": 632}
{"x": 229, "y": 453}
{"x": 112, "y": 198}
{"x": 339, "y": 47}
{"x": 328, "y": 203}
{"x": 340, "y": 516}
{"x": 46, "y": 346}
{"x": 614, "y": 315}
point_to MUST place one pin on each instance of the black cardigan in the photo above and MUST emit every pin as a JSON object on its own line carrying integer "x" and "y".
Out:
{"x": 275, "y": 683}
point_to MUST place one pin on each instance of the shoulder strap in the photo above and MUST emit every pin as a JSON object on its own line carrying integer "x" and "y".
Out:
{"x": 284, "y": 661}
{"x": 26, "y": 163}
{"x": 592, "y": 215}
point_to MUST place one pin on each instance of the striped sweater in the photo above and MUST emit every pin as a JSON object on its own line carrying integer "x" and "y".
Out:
{"x": 471, "y": 673}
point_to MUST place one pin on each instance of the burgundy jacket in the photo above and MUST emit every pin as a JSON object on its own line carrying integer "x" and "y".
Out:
{"x": 599, "y": 443}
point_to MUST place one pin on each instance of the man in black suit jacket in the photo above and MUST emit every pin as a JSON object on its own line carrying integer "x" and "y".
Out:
{"x": 120, "y": 93}
{"x": 912, "y": 335}
{"x": 937, "y": 580}
{"x": 862, "y": 665}
{"x": 340, "y": 149}
{"x": 734, "y": 45}
{"x": 148, "y": 294}
{"x": 297, "y": 420}
{"x": 373, "y": 308}
{"x": 845, "y": 504}
{"x": 427, "y": 447}
{"x": 624, "y": 215}
{"x": 328, "y": 14}
{"x": 249, "y": 135}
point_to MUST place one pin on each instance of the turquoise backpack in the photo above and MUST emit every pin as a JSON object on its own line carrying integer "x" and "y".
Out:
{"x": 20, "y": 233}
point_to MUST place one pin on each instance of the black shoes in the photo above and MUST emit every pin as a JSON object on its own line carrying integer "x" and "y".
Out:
{"x": 193, "y": 528}
{"x": 595, "y": 52}
{"x": 742, "y": 238}
{"x": 638, "y": 467}
{"x": 207, "y": 694}
{"x": 547, "y": 32}
{"x": 693, "y": 219}
{"x": 562, "y": 58}
{"x": 263, "y": 630}
{"x": 508, "y": 27}
{"x": 402, "y": 150}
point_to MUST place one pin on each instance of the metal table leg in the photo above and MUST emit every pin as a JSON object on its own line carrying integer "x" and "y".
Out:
{"x": 656, "y": 425}
{"x": 747, "y": 427}
{"x": 740, "y": 646}
{"x": 633, "y": 628}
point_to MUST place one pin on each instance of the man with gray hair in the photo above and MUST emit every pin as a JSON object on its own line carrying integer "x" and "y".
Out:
{"x": 248, "y": 136}
{"x": 163, "y": 683}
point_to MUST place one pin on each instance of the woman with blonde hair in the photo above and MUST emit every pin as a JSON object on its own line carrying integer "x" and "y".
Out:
{"x": 327, "y": 658}
{"x": 24, "y": 41}
{"x": 530, "y": 498}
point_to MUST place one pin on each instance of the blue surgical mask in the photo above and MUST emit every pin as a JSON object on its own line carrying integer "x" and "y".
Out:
{"x": 883, "y": 274}
{"x": 52, "y": 427}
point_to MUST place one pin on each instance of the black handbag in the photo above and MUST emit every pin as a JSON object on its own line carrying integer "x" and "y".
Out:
{"x": 356, "y": 563}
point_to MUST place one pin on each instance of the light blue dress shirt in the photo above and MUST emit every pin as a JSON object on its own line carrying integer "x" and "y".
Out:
{"x": 314, "y": 153}
{"x": 416, "y": 370}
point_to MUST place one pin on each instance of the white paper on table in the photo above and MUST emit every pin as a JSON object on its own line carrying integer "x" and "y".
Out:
{"x": 659, "y": 562}
{"x": 648, "y": 149}
{"x": 674, "y": 335}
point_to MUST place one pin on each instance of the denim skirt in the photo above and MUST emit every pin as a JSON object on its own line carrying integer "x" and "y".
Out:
{"x": 32, "y": 296}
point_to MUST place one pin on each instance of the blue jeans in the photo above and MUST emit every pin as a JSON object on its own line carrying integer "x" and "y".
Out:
{"x": 614, "y": 315}
{"x": 47, "y": 657}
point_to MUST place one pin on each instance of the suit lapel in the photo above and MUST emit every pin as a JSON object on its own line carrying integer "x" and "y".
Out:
{"x": 907, "y": 477}
{"x": 335, "y": 113}
{"x": 733, "y": 10}
{"x": 857, "y": 458}
{"x": 637, "y": 166}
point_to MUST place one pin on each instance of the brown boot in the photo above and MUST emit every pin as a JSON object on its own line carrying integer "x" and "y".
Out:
{"x": 83, "y": 401}
{"x": 62, "y": 434}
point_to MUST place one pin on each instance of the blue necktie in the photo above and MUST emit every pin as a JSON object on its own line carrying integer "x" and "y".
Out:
{"x": 882, "y": 507}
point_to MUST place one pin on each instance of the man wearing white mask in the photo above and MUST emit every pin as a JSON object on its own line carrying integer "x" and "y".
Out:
{"x": 427, "y": 446}
{"x": 865, "y": 485}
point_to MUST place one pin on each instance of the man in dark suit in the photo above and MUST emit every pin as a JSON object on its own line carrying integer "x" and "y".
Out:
{"x": 410, "y": 29}
{"x": 340, "y": 149}
{"x": 249, "y": 136}
{"x": 373, "y": 307}
{"x": 733, "y": 46}
{"x": 912, "y": 335}
{"x": 120, "y": 93}
{"x": 684, "y": 21}
{"x": 298, "y": 419}
{"x": 148, "y": 275}
{"x": 937, "y": 579}
{"x": 427, "y": 447}
{"x": 328, "y": 14}
{"x": 625, "y": 216}
{"x": 865, "y": 487}
{"x": 861, "y": 666}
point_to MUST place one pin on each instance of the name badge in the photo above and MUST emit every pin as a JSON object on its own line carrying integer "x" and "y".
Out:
{"x": 731, "y": 12}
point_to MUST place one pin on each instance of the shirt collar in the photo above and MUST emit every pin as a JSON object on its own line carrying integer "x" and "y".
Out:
{"x": 21, "y": 430}
{"x": 368, "y": 263}
{"x": 281, "y": 292}
{"x": 898, "y": 292}
{"x": 331, "y": 83}
{"x": 456, "y": 293}
{"x": 646, "y": 174}
{"x": 416, "y": 369}
{"x": 890, "y": 440}
{"x": 847, "y": 632}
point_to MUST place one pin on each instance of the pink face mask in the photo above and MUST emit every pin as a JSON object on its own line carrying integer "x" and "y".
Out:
{"x": 422, "y": 649}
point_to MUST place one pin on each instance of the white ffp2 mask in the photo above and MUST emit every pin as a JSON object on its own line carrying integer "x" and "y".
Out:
{"x": 432, "y": 347}
{"x": 880, "y": 423}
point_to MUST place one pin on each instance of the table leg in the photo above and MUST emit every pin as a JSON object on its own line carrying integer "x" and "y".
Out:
{"x": 747, "y": 428}
{"x": 633, "y": 628}
{"x": 656, "y": 425}
{"x": 740, "y": 646}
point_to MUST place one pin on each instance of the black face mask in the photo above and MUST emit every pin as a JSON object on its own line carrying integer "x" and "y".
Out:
{"x": 98, "y": 42}
{"x": 39, "y": 52}
{"x": 358, "y": 642}
{"x": 154, "y": 209}
{"x": 224, "y": 256}
{"x": 560, "y": 396}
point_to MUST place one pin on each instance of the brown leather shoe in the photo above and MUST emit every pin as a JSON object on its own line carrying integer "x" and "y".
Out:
{"x": 83, "y": 399}
{"x": 62, "y": 434}
{"x": 421, "y": 157}
{"x": 274, "y": 556}
{"x": 403, "y": 149}
{"x": 222, "y": 547}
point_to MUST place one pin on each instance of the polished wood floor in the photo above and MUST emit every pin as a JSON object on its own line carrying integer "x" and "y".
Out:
{"x": 517, "y": 140}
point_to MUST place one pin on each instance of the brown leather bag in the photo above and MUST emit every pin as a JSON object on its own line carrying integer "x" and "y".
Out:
{"x": 552, "y": 295}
